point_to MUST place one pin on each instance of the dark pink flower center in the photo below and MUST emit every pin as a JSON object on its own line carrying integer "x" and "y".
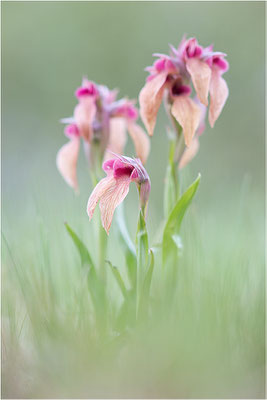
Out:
{"x": 164, "y": 64}
{"x": 193, "y": 49}
{"x": 219, "y": 62}
{"x": 89, "y": 90}
{"x": 178, "y": 89}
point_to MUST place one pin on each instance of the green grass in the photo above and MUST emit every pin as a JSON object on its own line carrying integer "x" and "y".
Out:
{"x": 209, "y": 343}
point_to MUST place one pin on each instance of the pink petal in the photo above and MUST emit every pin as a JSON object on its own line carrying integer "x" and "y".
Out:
{"x": 140, "y": 140}
{"x": 201, "y": 74}
{"x": 110, "y": 192}
{"x": 66, "y": 161}
{"x": 150, "y": 99}
{"x": 188, "y": 114}
{"x": 218, "y": 96}
{"x": 84, "y": 115}
{"x": 189, "y": 153}
{"x": 98, "y": 191}
{"x": 112, "y": 197}
{"x": 117, "y": 137}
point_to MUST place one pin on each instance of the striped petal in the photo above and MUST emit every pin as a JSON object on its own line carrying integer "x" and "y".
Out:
{"x": 112, "y": 197}
{"x": 188, "y": 114}
{"x": 140, "y": 140}
{"x": 117, "y": 138}
{"x": 218, "y": 96}
{"x": 150, "y": 99}
{"x": 201, "y": 74}
{"x": 97, "y": 193}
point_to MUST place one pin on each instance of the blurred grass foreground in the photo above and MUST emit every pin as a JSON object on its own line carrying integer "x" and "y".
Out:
{"x": 211, "y": 343}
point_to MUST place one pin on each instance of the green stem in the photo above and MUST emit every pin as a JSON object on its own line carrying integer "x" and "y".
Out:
{"x": 176, "y": 149}
{"x": 171, "y": 183}
{"x": 141, "y": 256}
{"x": 102, "y": 250}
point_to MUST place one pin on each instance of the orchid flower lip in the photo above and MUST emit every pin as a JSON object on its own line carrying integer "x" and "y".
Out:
{"x": 135, "y": 163}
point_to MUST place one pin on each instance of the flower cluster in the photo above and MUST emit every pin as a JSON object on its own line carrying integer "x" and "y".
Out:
{"x": 171, "y": 75}
{"x": 101, "y": 119}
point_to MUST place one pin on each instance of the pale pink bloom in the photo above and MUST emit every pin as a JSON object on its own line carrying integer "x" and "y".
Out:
{"x": 100, "y": 117}
{"x": 125, "y": 111}
{"x": 85, "y": 111}
{"x": 173, "y": 74}
{"x": 113, "y": 189}
{"x": 117, "y": 137}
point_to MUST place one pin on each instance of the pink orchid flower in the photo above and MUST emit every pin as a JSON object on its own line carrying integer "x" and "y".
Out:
{"x": 173, "y": 74}
{"x": 113, "y": 189}
{"x": 99, "y": 118}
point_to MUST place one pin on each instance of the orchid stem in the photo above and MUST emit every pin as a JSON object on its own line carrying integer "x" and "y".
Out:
{"x": 141, "y": 257}
{"x": 102, "y": 237}
{"x": 102, "y": 250}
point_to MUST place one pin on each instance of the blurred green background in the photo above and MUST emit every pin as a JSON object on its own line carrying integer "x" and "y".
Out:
{"x": 46, "y": 49}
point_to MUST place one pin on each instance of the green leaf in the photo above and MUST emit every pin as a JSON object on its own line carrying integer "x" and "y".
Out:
{"x": 141, "y": 255}
{"x": 171, "y": 242}
{"x": 144, "y": 299}
{"x": 169, "y": 189}
{"x": 118, "y": 278}
{"x": 148, "y": 277}
{"x": 86, "y": 259}
{"x": 94, "y": 285}
{"x": 142, "y": 242}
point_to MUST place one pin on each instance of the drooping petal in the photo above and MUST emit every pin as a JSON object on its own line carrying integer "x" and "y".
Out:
{"x": 201, "y": 74}
{"x": 98, "y": 192}
{"x": 218, "y": 96}
{"x": 111, "y": 198}
{"x": 150, "y": 99}
{"x": 140, "y": 140}
{"x": 117, "y": 137}
{"x": 189, "y": 153}
{"x": 84, "y": 115}
{"x": 66, "y": 161}
{"x": 188, "y": 114}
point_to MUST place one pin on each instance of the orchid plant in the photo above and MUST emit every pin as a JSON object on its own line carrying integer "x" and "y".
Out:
{"x": 189, "y": 82}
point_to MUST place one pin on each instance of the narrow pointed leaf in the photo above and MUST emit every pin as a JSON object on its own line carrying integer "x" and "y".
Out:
{"x": 173, "y": 224}
{"x": 94, "y": 285}
{"x": 145, "y": 294}
{"x": 118, "y": 278}
{"x": 142, "y": 257}
{"x": 148, "y": 277}
{"x": 86, "y": 259}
